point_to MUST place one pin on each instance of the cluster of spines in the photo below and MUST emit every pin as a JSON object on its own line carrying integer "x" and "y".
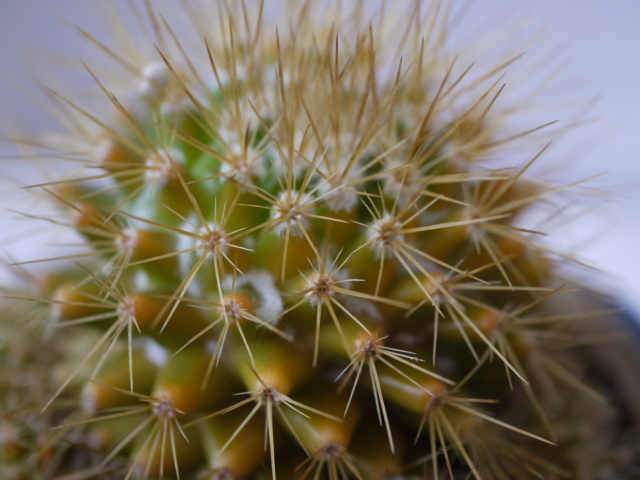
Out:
{"x": 291, "y": 220}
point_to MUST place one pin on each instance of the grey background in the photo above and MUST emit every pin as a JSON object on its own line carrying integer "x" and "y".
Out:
{"x": 600, "y": 39}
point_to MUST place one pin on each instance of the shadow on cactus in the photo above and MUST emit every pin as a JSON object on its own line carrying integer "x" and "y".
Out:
{"x": 300, "y": 260}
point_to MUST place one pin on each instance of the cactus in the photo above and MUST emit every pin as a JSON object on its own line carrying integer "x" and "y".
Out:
{"x": 298, "y": 262}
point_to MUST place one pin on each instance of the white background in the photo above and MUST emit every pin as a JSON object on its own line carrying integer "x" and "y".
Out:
{"x": 600, "y": 39}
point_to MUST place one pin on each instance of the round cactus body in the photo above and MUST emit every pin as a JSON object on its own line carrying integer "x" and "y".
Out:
{"x": 299, "y": 262}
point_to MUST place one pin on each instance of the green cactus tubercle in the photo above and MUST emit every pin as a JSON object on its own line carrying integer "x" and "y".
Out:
{"x": 297, "y": 263}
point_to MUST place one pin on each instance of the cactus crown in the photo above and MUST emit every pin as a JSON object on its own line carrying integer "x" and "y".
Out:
{"x": 305, "y": 219}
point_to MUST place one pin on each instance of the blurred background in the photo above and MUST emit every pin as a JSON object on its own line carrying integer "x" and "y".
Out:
{"x": 595, "y": 42}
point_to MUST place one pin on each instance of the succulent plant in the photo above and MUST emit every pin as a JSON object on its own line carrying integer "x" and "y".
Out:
{"x": 298, "y": 261}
